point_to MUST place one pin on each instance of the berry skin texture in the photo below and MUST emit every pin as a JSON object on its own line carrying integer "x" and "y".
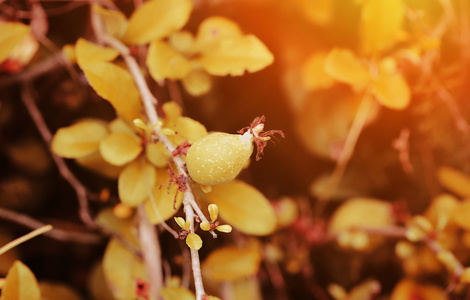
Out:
{"x": 219, "y": 157}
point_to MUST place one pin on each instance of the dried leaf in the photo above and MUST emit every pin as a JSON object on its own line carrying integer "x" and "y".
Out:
{"x": 120, "y": 148}
{"x": 197, "y": 82}
{"x": 392, "y": 91}
{"x": 235, "y": 55}
{"x": 344, "y": 66}
{"x": 243, "y": 207}
{"x": 88, "y": 53}
{"x": 20, "y": 284}
{"x": 380, "y": 23}
{"x": 157, "y": 19}
{"x": 57, "y": 291}
{"x": 454, "y": 181}
{"x": 79, "y": 139}
{"x": 115, "y": 22}
{"x": 165, "y": 62}
{"x": 95, "y": 162}
{"x": 167, "y": 200}
{"x": 176, "y": 293}
{"x": 117, "y": 86}
{"x": 121, "y": 269}
{"x": 136, "y": 181}
{"x": 12, "y": 35}
{"x": 232, "y": 263}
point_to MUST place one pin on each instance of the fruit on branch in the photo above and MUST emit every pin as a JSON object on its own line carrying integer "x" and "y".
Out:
{"x": 219, "y": 157}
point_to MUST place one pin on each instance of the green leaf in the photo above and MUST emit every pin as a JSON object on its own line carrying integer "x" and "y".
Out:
{"x": 12, "y": 35}
{"x": 20, "y": 284}
{"x": 136, "y": 181}
{"x": 243, "y": 207}
{"x": 121, "y": 269}
{"x": 157, "y": 19}
{"x": 79, "y": 139}
{"x": 164, "y": 62}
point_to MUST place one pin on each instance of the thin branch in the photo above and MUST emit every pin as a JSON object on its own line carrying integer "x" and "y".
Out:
{"x": 346, "y": 154}
{"x": 80, "y": 190}
{"x": 196, "y": 265}
{"x": 55, "y": 233}
{"x": 151, "y": 252}
{"x": 25, "y": 238}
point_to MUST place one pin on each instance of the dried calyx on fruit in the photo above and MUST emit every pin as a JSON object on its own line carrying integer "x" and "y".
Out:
{"x": 219, "y": 157}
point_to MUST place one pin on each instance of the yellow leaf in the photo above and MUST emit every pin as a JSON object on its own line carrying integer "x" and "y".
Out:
{"x": 213, "y": 212}
{"x": 79, "y": 139}
{"x": 319, "y": 12}
{"x": 197, "y": 82}
{"x": 462, "y": 214}
{"x": 232, "y": 263}
{"x": 20, "y": 284}
{"x": 194, "y": 241}
{"x": 344, "y": 66}
{"x": 408, "y": 289}
{"x": 136, "y": 182}
{"x": 244, "y": 207}
{"x": 88, "y": 52}
{"x": 167, "y": 201}
{"x": 380, "y": 22}
{"x": 157, "y": 19}
{"x": 115, "y": 22}
{"x": 176, "y": 293}
{"x": 121, "y": 269}
{"x": 314, "y": 76}
{"x": 206, "y": 226}
{"x": 235, "y": 55}
{"x": 69, "y": 53}
{"x": 12, "y": 35}
{"x": 119, "y": 125}
{"x": 392, "y": 91}
{"x": 57, "y": 291}
{"x": 215, "y": 29}
{"x": 164, "y": 62}
{"x": 97, "y": 284}
{"x": 361, "y": 212}
{"x": 125, "y": 227}
{"x": 224, "y": 228}
{"x": 172, "y": 112}
{"x": 120, "y": 148}
{"x": 95, "y": 162}
{"x": 115, "y": 85}
{"x": 454, "y": 181}
{"x": 188, "y": 130}
{"x": 182, "y": 41}
{"x": 157, "y": 155}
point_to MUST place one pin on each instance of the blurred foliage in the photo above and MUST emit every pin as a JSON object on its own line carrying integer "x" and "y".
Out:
{"x": 385, "y": 81}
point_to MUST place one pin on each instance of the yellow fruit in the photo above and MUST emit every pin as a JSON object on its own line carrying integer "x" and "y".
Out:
{"x": 218, "y": 157}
